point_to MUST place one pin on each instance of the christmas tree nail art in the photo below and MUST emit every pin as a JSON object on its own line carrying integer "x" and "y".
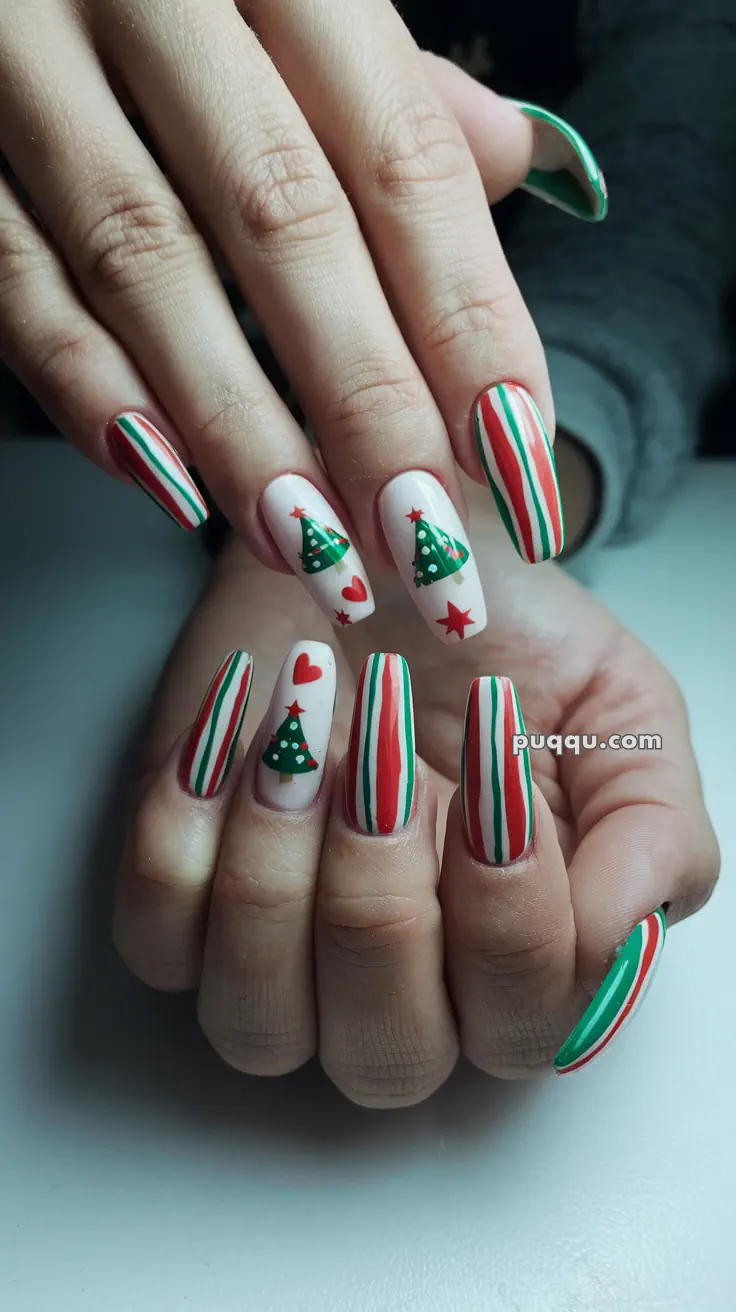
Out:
{"x": 432, "y": 554}
{"x": 298, "y": 728}
{"x": 317, "y": 547}
{"x": 210, "y": 750}
{"x": 380, "y": 768}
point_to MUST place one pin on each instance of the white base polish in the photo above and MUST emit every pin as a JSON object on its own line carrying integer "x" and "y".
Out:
{"x": 294, "y": 749}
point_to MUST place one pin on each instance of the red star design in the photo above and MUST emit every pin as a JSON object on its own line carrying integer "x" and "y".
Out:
{"x": 297, "y": 513}
{"x": 295, "y": 709}
{"x": 456, "y": 621}
{"x": 415, "y": 515}
{"x": 343, "y": 617}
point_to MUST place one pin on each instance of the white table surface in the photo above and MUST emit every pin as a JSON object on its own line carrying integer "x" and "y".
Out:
{"x": 140, "y": 1174}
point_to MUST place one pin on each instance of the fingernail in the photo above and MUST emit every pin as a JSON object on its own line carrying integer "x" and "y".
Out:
{"x": 495, "y": 782}
{"x": 146, "y": 455}
{"x": 381, "y": 766}
{"x": 315, "y": 544}
{"x": 618, "y": 996}
{"x": 298, "y": 728}
{"x": 210, "y": 750}
{"x": 564, "y": 170}
{"x": 433, "y": 556}
{"x": 519, "y": 463}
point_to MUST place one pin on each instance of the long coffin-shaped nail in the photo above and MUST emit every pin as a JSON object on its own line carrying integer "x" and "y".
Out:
{"x": 381, "y": 767}
{"x": 618, "y": 996}
{"x": 298, "y": 728}
{"x": 315, "y": 544}
{"x": 495, "y": 780}
{"x": 146, "y": 455}
{"x": 210, "y": 750}
{"x": 519, "y": 463}
{"x": 429, "y": 544}
{"x": 564, "y": 170}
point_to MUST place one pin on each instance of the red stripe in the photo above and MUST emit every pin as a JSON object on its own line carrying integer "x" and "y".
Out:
{"x": 351, "y": 769}
{"x": 655, "y": 931}
{"x": 191, "y": 749}
{"x": 226, "y": 743}
{"x": 513, "y": 790}
{"x": 136, "y": 465}
{"x": 388, "y": 749}
{"x": 167, "y": 447}
{"x": 473, "y": 776}
{"x": 509, "y": 469}
{"x": 540, "y": 458}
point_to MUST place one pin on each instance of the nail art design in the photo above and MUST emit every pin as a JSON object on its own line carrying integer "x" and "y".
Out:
{"x": 519, "y": 464}
{"x": 146, "y": 455}
{"x": 317, "y": 547}
{"x": 298, "y": 728}
{"x": 495, "y": 783}
{"x": 564, "y": 170}
{"x": 429, "y": 544}
{"x": 380, "y": 768}
{"x": 618, "y": 997}
{"x": 209, "y": 753}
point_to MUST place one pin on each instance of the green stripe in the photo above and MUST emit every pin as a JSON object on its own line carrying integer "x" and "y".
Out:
{"x": 132, "y": 432}
{"x": 527, "y": 769}
{"x": 607, "y": 1002}
{"x": 546, "y": 548}
{"x": 500, "y": 503}
{"x": 375, "y": 662}
{"x": 216, "y": 709}
{"x": 409, "y": 739}
{"x": 496, "y": 780}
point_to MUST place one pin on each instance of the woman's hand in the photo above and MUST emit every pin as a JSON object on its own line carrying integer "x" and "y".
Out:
{"x": 304, "y": 933}
{"x": 314, "y": 149}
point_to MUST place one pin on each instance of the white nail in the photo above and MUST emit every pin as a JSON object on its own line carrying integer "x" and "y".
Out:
{"x": 433, "y": 556}
{"x": 298, "y": 726}
{"x": 315, "y": 543}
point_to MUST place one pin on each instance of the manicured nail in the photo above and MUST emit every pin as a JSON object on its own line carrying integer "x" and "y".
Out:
{"x": 381, "y": 766}
{"x": 618, "y": 996}
{"x": 495, "y": 781}
{"x": 146, "y": 455}
{"x": 519, "y": 463}
{"x": 209, "y": 753}
{"x": 564, "y": 170}
{"x": 317, "y": 547}
{"x": 430, "y": 546}
{"x": 298, "y": 728}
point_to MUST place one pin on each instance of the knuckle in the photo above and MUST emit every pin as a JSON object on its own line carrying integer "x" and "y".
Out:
{"x": 65, "y": 360}
{"x": 419, "y": 144}
{"x": 238, "y": 418}
{"x": 285, "y": 192}
{"x": 21, "y": 254}
{"x": 468, "y": 314}
{"x": 369, "y": 932}
{"x": 373, "y": 393}
{"x": 138, "y": 230}
{"x": 269, "y": 894}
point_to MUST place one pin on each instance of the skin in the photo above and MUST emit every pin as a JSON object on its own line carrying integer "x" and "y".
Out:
{"x": 388, "y": 956}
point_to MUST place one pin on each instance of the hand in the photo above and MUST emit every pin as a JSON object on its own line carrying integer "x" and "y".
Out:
{"x": 223, "y": 893}
{"x": 343, "y": 194}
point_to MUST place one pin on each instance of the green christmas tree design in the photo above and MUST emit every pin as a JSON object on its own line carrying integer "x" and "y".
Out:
{"x": 287, "y": 751}
{"x": 321, "y": 546}
{"x": 436, "y": 554}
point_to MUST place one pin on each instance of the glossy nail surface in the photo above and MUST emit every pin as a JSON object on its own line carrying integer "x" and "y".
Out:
{"x": 495, "y": 782}
{"x": 381, "y": 766}
{"x": 315, "y": 544}
{"x": 519, "y": 463}
{"x": 298, "y": 728}
{"x": 154, "y": 464}
{"x": 432, "y": 554}
{"x": 618, "y": 996}
{"x": 209, "y": 752}
{"x": 564, "y": 169}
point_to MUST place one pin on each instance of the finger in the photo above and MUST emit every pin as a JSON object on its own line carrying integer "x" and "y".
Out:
{"x": 164, "y": 881}
{"x": 413, "y": 181}
{"x": 387, "y": 1036}
{"x": 507, "y": 914}
{"x": 256, "y": 998}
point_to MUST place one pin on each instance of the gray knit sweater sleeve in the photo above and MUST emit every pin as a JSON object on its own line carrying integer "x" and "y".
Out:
{"x": 630, "y": 310}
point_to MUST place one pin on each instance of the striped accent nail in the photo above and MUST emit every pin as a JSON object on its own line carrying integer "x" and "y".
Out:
{"x": 564, "y": 172}
{"x": 146, "y": 455}
{"x": 209, "y": 753}
{"x": 380, "y": 769}
{"x": 519, "y": 464}
{"x": 618, "y": 997}
{"x": 495, "y": 783}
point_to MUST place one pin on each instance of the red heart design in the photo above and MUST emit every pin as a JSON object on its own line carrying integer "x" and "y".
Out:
{"x": 355, "y": 591}
{"x": 303, "y": 671}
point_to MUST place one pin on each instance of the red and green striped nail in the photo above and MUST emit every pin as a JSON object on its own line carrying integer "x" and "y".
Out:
{"x": 210, "y": 750}
{"x": 564, "y": 169}
{"x": 618, "y": 996}
{"x": 519, "y": 463}
{"x": 495, "y": 781}
{"x": 381, "y": 767}
{"x": 146, "y": 455}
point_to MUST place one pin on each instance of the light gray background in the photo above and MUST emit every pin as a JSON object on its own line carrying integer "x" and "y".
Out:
{"x": 139, "y": 1174}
